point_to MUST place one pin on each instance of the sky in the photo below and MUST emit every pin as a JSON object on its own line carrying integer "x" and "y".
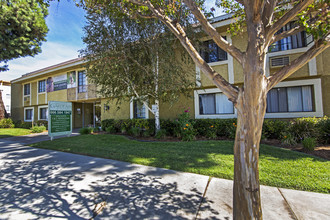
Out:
{"x": 64, "y": 39}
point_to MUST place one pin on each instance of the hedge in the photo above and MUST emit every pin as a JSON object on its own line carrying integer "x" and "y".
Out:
{"x": 299, "y": 129}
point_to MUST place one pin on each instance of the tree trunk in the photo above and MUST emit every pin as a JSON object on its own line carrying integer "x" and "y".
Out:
{"x": 251, "y": 108}
{"x": 157, "y": 121}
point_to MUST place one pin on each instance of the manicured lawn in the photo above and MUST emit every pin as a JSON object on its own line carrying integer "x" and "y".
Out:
{"x": 9, "y": 132}
{"x": 278, "y": 167}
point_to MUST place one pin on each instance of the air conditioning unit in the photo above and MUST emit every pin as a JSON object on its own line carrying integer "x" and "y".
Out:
{"x": 279, "y": 61}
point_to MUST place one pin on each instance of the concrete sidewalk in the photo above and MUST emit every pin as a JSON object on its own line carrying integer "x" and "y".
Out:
{"x": 45, "y": 184}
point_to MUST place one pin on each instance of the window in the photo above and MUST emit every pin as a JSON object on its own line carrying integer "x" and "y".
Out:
{"x": 82, "y": 81}
{"x": 43, "y": 113}
{"x": 27, "y": 89}
{"x": 7, "y": 96}
{"x": 290, "y": 99}
{"x": 215, "y": 103}
{"x": 28, "y": 114}
{"x": 139, "y": 110}
{"x": 7, "y": 108}
{"x": 41, "y": 86}
{"x": 212, "y": 53}
{"x": 295, "y": 41}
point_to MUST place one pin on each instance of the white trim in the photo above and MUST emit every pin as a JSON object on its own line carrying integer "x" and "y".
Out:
{"x": 223, "y": 23}
{"x": 231, "y": 78}
{"x": 312, "y": 67}
{"x": 198, "y": 77}
{"x": 131, "y": 109}
{"x": 42, "y": 106}
{"x": 316, "y": 83}
{"x": 75, "y": 63}
{"x": 38, "y": 93}
{"x": 288, "y": 52}
{"x": 27, "y": 95}
{"x": 27, "y": 108}
{"x": 196, "y": 104}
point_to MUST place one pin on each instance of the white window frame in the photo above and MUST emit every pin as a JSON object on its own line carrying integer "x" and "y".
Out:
{"x": 317, "y": 92}
{"x": 131, "y": 109}
{"x": 40, "y": 107}
{"x": 38, "y": 86}
{"x": 26, "y": 95}
{"x": 209, "y": 91}
{"x": 229, "y": 62}
{"x": 27, "y": 108}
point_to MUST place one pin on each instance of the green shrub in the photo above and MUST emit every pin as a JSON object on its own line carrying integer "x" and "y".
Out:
{"x": 96, "y": 129}
{"x": 185, "y": 127}
{"x": 272, "y": 129}
{"x": 42, "y": 123}
{"x": 288, "y": 139}
{"x": 169, "y": 126}
{"x": 110, "y": 129}
{"x": 38, "y": 129}
{"x": 22, "y": 124}
{"x": 309, "y": 143}
{"x": 161, "y": 134}
{"x": 146, "y": 133}
{"x": 135, "y": 131}
{"x": 324, "y": 130}
{"x": 302, "y": 128}
{"x": 107, "y": 123}
{"x": 211, "y": 133}
{"x": 6, "y": 123}
{"x": 86, "y": 130}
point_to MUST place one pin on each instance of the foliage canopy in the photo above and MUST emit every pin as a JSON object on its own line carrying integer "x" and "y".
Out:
{"x": 22, "y": 28}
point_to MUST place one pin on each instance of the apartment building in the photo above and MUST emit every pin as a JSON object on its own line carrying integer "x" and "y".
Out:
{"x": 6, "y": 96}
{"x": 303, "y": 94}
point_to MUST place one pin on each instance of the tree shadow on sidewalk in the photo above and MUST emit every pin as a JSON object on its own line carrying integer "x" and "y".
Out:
{"x": 48, "y": 188}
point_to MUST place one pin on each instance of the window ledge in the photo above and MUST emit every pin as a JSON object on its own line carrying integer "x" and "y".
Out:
{"x": 218, "y": 63}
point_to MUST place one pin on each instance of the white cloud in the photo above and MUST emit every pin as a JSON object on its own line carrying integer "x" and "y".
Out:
{"x": 52, "y": 53}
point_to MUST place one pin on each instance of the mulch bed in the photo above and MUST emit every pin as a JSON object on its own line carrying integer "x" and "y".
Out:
{"x": 322, "y": 151}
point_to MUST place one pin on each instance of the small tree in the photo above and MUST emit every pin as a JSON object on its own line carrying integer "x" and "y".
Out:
{"x": 262, "y": 20}
{"x": 22, "y": 29}
{"x": 134, "y": 58}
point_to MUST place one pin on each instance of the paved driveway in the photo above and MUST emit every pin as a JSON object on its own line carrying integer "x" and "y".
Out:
{"x": 45, "y": 184}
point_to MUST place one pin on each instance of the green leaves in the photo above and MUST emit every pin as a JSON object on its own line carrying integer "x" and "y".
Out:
{"x": 134, "y": 57}
{"x": 22, "y": 28}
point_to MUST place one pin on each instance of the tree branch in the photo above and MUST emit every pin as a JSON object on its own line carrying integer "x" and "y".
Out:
{"x": 291, "y": 14}
{"x": 268, "y": 11}
{"x": 289, "y": 69}
{"x": 211, "y": 31}
{"x": 285, "y": 34}
{"x": 229, "y": 90}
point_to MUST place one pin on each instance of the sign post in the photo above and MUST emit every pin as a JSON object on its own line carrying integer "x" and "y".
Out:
{"x": 59, "y": 119}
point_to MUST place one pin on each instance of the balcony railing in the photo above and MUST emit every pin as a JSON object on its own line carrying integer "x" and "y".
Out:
{"x": 82, "y": 93}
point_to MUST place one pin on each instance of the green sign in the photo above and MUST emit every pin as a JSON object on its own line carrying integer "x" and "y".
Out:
{"x": 60, "y": 123}
{"x": 60, "y": 118}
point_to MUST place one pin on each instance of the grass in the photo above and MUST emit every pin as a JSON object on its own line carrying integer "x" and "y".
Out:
{"x": 10, "y": 132}
{"x": 278, "y": 167}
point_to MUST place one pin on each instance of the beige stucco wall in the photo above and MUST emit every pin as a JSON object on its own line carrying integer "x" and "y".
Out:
{"x": 16, "y": 102}
{"x": 326, "y": 94}
{"x": 171, "y": 111}
{"x": 42, "y": 99}
{"x": 34, "y": 93}
{"x": 116, "y": 110}
{"x": 60, "y": 95}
